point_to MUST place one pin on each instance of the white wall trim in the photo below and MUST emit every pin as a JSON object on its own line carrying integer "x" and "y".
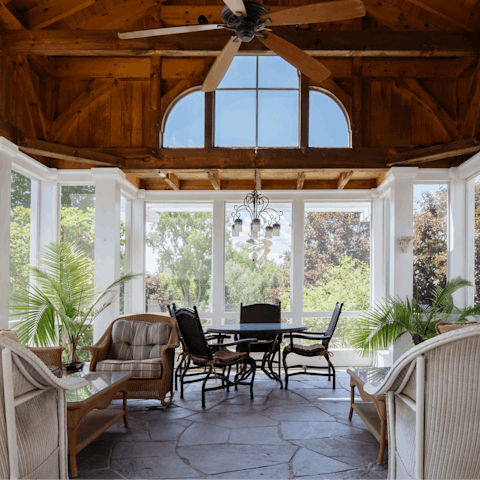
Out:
{"x": 470, "y": 168}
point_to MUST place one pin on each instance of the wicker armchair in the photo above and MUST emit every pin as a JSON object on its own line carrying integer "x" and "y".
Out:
{"x": 315, "y": 350}
{"x": 151, "y": 361}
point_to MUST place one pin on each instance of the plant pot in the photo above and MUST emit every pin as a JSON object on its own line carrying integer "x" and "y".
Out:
{"x": 73, "y": 367}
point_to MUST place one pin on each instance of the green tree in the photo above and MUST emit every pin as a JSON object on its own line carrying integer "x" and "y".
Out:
{"x": 19, "y": 247}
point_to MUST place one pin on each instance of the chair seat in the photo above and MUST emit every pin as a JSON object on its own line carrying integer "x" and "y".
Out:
{"x": 148, "y": 368}
{"x": 315, "y": 348}
{"x": 219, "y": 357}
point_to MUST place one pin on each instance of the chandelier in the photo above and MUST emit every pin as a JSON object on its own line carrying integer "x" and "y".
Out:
{"x": 261, "y": 214}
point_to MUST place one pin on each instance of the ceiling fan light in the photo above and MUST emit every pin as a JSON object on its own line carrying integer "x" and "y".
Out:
{"x": 276, "y": 229}
{"x": 256, "y": 225}
{"x": 269, "y": 232}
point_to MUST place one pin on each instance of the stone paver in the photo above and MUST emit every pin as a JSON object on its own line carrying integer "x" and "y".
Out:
{"x": 302, "y": 432}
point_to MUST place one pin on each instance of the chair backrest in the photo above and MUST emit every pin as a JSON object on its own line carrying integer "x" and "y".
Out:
{"x": 333, "y": 324}
{"x": 260, "y": 313}
{"x": 191, "y": 332}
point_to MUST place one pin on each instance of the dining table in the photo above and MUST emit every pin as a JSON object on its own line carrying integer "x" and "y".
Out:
{"x": 277, "y": 330}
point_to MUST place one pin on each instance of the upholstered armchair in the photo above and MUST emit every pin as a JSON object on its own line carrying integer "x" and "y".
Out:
{"x": 141, "y": 344}
{"x": 433, "y": 408}
{"x": 33, "y": 426}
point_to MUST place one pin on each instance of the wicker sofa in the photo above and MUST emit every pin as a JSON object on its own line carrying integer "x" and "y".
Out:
{"x": 143, "y": 344}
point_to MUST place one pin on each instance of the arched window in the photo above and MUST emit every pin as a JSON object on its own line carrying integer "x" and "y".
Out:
{"x": 185, "y": 122}
{"x": 328, "y": 121}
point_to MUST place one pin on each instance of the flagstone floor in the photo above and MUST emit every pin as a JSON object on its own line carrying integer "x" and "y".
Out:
{"x": 300, "y": 433}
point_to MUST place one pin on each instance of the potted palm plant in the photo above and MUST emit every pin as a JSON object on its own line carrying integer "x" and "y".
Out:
{"x": 61, "y": 293}
{"x": 393, "y": 317}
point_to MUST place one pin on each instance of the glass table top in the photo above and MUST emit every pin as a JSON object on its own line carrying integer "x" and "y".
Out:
{"x": 98, "y": 382}
{"x": 373, "y": 375}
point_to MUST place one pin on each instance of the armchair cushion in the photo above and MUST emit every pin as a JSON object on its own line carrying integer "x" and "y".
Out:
{"x": 316, "y": 347}
{"x": 149, "y": 368}
{"x": 444, "y": 327}
{"x": 138, "y": 340}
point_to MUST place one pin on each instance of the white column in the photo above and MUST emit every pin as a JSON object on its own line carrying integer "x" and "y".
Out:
{"x": 107, "y": 239}
{"x": 401, "y": 205}
{"x": 128, "y": 256}
{"x": 218, "y": 245}
{"x": 378, "y": 289}
{"x": 138, "y": 252}
{"x": 5, "y": 185}
{"x": 457, "y": 235}
{"x": 49, "y": 210}
{"x": 297, "y": 280}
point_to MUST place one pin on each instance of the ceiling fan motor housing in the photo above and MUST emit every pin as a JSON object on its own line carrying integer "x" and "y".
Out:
{"x": 245, "y": 27}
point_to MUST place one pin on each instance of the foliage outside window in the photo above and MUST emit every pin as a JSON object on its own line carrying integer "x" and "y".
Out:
{"x": 430, "y": 243}
{"x": 178, "y": 263}
{"x": 336, "y": 265}
{"x": 477, "y": 240}
{"x": 253, "y": 275}
{"x": 123, "y": 244}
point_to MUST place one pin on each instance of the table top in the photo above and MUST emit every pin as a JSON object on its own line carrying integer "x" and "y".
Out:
{"x": 98, "y": 382}
{"x": 258, "y": 327}
{"x": 372, "y": 375}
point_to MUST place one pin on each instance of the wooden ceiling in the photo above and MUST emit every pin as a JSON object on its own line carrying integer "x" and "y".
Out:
{"x": 73, "y": 95}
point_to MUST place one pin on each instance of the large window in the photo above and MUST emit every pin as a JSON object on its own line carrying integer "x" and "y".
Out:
{"x": 430, "y": 244}
{"x": 477, "y": 240}
{"x": 336, "y": 265}
{"x": 178, "y": 256}
{"x": 257, "y": 272}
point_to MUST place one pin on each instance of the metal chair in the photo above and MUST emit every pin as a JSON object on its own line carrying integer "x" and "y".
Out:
{"x": 317, "y": 349}
{"x": 212, "y": 357}
{"x": 263, "y": 313}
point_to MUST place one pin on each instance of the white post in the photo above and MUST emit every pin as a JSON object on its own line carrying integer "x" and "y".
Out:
{"x": 127, "y": 299}
{"x": 218, "y": 245}
{"x": 377, "y": 249}
{"x": 457, "y": 237}
{"x": 297, "y": 280}
{"x": 107, "y": 239}
{"x": 5, "y": 186}
{"x": 138, "y": 252}
{"x": 49, "y": 210}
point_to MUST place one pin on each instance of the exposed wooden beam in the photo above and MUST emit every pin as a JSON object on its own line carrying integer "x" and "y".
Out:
{"x": 7, "y": 19}
{"x": 172, "y": 181}
{"x": 357, "y": 96}
{"x": 471, "y": 119}
{"x": 214, "y": 179}
{"x": 344, "y": 179}
{"x": 209, "y": 122}
{"x": 419, "y": 156}
{"x": 380, "y": 179}
{"x": 61, "y": 152}
{"x": 467, "y": 17}
{"x": 445, "y": 121}
{"x": 120, "y": 16}
{"x": 155, "y": 100}
{"x": 304, "y": 110}
{"x": 324, "y": 43}
{"x": 300, "y": 180}
{"x": 96, "y": 89}
{"x": 258, "y": 179}
{"x": 52, "y": 11}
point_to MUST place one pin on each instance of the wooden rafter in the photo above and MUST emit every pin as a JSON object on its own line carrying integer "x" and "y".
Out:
{"x": 96, "y": 89}
{"x": 214, "y": 179}
{"x": 331, "y": 43}
{"x": 301, "y": 180}
{"x": 52, "y": 11}
{"x": 445, "y": 121}
{"x": 155, "y": 99}
{"x": 344, "y": 178}
{"x": 420, "y": 156}
{"x": 469, "y": 124}
{"x": 357, "y": 100}
{"x": 172, "y": 181}
{"x": 381, "y": 177}
{"x": 7, "y": 19}
{"x": 258, "y": 179}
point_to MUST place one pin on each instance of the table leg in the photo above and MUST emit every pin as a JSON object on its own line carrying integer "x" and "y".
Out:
{"x": 125, "y": 418}
{"x": 352, "y": 401}
{"x": 268, "y": 357}
{"x": 73, "y": 453}
{"x": 383, "y": 440}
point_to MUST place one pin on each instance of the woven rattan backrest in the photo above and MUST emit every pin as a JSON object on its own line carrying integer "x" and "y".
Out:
{"x": 260, "y": 313}
{"x": 191, "y": 331}
{"x": 333, "y": 324}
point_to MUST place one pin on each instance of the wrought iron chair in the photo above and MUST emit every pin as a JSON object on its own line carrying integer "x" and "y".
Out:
{"x": 262, "y": 313}
{"x": 215, "y": 358}
{"x": 184, "y": 363}
{"x": 317, "y": 349}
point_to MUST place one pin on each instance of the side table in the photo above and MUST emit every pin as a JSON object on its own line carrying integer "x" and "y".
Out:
{"x": 373, "y": 411}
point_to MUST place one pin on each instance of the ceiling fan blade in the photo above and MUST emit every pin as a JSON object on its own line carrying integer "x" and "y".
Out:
{"x": 236, "y": 6}
{"x": 329, "y": 11}
{"x": 297, "y": 57}
{"x": 156, "y": 32}
{"x": 220, "y": 67}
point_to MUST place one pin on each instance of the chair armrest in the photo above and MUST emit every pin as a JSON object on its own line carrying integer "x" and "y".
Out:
{"x": 216, "y": 336}
{"x": 308, "y": 332}
{"x": 308, "y": 337}
{"x": 51, "y": 356}
{"x": 99, "y": 353}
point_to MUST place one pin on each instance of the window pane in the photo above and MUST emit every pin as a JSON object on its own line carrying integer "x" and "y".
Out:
{"x": 235, "y": 118}
{"x": 185, "y": 125}
{"x": 275, "y": 72}
{"x": 328, "y": 125}
{"x": 277, "y": 118}
{"x": 430, "y": 244}
{"x": 257, "y": 273}
{"x": 20, "y": 221}
{"x": 477, "y": 240}
{"x": 337, "y": 257}
{"x": 178, "y": 256}
{"x": 241, "y": 73}
{"x": 77, "y": 221}
{"x": 123, "y": 208}
{"x": 346, "y": 326}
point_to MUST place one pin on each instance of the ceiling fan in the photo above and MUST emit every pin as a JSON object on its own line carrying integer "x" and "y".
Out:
{"x": 249, "y": 19}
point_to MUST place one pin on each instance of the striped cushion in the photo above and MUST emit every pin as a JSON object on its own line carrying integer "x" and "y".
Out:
{"x": 151, "y": 368}
{"x": 138, "y": 340}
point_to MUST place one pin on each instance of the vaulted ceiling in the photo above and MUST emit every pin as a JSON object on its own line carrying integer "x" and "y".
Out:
{"x": 75, "y": 96}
